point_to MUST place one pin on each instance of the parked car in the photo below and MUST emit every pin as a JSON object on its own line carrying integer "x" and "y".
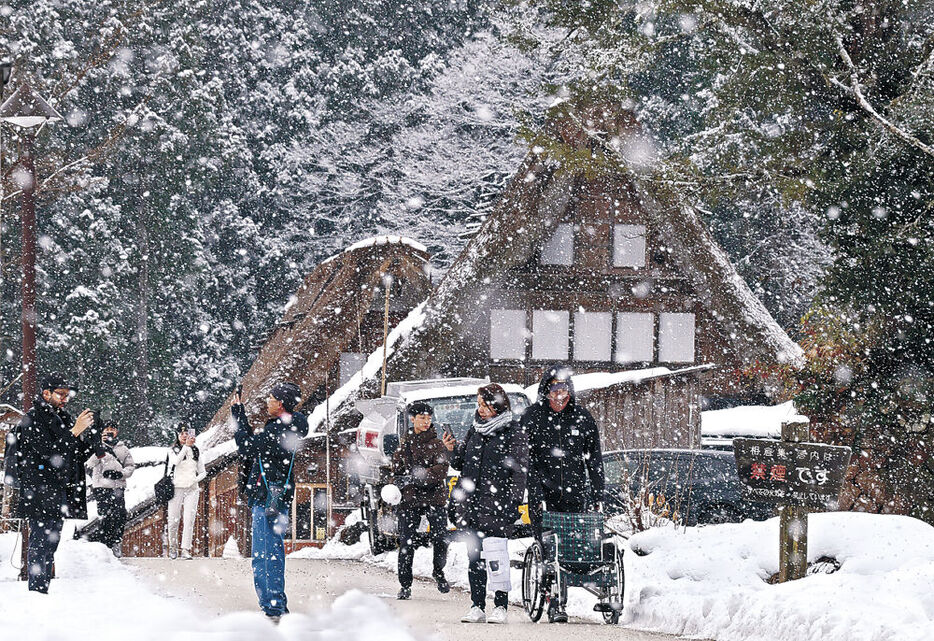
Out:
{"x": 454, "y": 402}
{"x": 692, "y": 486}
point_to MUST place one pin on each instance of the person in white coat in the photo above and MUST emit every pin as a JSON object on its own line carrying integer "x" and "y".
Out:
{"x": 108, "y": 484}
{"x": 186, "y": 467}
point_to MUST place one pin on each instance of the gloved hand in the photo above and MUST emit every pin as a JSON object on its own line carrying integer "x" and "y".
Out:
{"x": 113, "y": 475}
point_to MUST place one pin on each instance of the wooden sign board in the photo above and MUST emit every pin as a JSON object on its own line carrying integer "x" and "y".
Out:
{"x": 803, "y": 474}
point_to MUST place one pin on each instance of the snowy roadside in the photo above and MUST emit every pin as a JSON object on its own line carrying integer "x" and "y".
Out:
{"x": 97, "y": 597}
{"x": 710, "y": 582}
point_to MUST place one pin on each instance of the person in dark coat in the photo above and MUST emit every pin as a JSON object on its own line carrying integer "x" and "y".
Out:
{"x": 271, "y": 448}
{"x": 565, "y": 460}
{"x": 50, "y": 449}
{"x": 493, "y": 462}
{"x": 420, "y": 468}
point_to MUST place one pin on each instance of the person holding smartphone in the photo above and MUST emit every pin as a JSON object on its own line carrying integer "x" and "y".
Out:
{"x": 186, "y": 467}
{"x": 420, "y": 468}
{"x": 46, "y": 457}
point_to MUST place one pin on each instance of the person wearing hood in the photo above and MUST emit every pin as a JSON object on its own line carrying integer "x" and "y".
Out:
{"x": 47, "y": 452}
{"x": 270, "y": 487}
{"x": 420, "y": 467}
{"x": 108, "y": 484}
{"x": 565, "y": 460}
{"x": 493, "y": 463}
{"x": 186, "y": 467}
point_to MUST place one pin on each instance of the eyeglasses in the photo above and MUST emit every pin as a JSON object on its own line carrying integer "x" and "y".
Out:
{"x": 559, "y": 389}
{"x": 63, "y": 394}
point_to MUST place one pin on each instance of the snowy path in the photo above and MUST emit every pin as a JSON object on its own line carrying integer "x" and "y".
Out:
{"x": 220, "y": 586}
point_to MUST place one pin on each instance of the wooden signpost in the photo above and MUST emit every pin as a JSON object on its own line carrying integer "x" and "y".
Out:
{"x": 797, "y": 476}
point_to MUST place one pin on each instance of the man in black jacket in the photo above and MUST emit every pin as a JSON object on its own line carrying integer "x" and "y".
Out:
{"x": 565, "y": 460}
{"x": 49, "y": 450}
{"x": 271, "y": 448}
{"x": 420, "y": 468}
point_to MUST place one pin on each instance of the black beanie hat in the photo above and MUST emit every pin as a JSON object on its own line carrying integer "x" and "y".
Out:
{"x": 54, "y": 381}
{"x": 420, "y": 407}
{"x": 289, "y": 394}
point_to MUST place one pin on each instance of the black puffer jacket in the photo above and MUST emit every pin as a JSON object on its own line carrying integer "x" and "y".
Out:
{"x": 566, "y": 463}
{"x": 274, "y": 444}
{"x": 493, "y": 478}
{"x": 423, "y": 461}
{"x": 49, "y": 463}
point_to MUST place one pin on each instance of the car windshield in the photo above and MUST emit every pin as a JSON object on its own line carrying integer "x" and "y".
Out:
{"x": 457, "y": 412}
{"x": 660, "y": 467}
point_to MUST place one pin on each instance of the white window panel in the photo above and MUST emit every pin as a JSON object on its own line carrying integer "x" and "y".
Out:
{"x": 559, "y": 250}
{"x": 592, "y": 333}
{"x": 550, "y": 334}
{"x": 351, "y": 363}
{"x": 629, "y": 246}
{"x": 676, "y": 338}
{"x": 507, "y": 333}
{"x": 635, "y": 337}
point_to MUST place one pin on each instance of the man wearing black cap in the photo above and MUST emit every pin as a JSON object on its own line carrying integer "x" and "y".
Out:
{"x": 565, "y": 459}
{"x": 49, "y": 450}
{"x": 271, "y": 448}
{"x": 420, "y": 467}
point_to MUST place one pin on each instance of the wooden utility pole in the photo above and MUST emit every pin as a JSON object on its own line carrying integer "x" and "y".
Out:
{"x": 28, "y": 228}
{"x": 793, "y": 520}
{"x": 387, "y": 283}
{"x": 142, "y": 316}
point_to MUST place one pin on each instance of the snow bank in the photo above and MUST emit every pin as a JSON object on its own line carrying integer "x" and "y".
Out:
{"x": 709, "y": 582}
{"x": 755, "y": 421}
{"x": 96, "y": 597}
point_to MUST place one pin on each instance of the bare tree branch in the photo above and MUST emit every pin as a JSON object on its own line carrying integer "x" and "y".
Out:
{"x": 856, "y": 92}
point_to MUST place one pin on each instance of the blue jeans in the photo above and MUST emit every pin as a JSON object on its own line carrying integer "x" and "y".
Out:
{"x": 269, "y": 562}
{"x": 44, "y": 536}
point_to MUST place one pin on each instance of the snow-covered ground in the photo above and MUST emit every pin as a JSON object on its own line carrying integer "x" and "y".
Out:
{"x": 710, "y": 582}
{"x": 96, "y": 597}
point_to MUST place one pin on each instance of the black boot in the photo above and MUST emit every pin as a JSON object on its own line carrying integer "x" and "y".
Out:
{"x": 443, "y": 586}
{"x": 404, "y": 594}
{"x": 557, "y": 613}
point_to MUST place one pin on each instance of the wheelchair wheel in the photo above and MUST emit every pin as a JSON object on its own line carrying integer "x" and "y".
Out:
{"x": 615, "y": 590}
{"x": 533, "y": 582}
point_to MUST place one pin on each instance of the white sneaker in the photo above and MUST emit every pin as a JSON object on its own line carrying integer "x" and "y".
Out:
{"x": 173, "y": 554}
{"x": 498, "y": 615}
{"x": 474, "y": 615}
{"x": 186, "y": 554}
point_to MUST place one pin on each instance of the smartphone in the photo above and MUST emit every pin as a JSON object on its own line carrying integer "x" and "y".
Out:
{"x": 191, "y": 432}
{"x": 447, "y": 431}
{"x": 240, "y": 391}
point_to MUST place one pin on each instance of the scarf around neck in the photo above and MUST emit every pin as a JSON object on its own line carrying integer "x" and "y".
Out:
{"x": 493, "y": 425}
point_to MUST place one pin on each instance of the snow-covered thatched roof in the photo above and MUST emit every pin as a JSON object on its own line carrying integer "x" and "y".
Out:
{"x": 324, "y": 317}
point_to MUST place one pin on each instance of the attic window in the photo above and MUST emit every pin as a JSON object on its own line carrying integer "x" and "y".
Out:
{"x": 550, "y": 334}
{"x": 559, "y": 250}
{"x": 351, "y": 363}
{"x": 676, "y": 338}
{"x": 629, "y": 246}
{"x": 635, "y": 337}
{"x": 507, "y": 334}
{"x": 592, "y": 334}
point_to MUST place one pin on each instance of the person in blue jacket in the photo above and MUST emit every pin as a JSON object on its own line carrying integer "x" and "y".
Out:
{"x": 271, "y": 448}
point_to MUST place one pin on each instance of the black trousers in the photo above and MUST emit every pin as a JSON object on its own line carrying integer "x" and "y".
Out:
{"x": 44, "y": 537}
{"x": 409, "y": 520}
{"x": 476, "y": 573}
{"x": 111, "y": 508}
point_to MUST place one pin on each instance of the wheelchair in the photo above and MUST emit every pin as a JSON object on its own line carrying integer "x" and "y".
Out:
{"x": 577, "y": 550}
